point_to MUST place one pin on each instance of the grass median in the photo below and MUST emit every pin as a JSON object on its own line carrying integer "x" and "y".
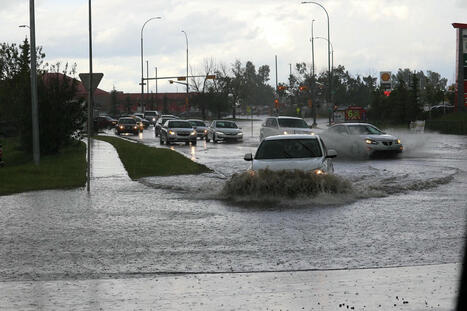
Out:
{"x": 64, "y": 170}
{"x": 142, "y": 161}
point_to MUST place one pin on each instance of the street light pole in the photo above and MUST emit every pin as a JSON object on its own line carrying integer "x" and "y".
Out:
{"x": 186, "y": 39}
{"x": 332, "y": 51}
{"x": 142, "y": 65}
{"x": 35, "y": 112}
{"x": 329, "y": 53}
{"x": 313, "y": 75}
{"x": 90, "y": 103}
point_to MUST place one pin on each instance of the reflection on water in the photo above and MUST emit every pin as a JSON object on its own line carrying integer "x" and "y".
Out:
{"x": 205, "y": 145}
{"x": 140, "y": 136}
{"x": 193, "y": 153}
{"x": 172, "y": 148}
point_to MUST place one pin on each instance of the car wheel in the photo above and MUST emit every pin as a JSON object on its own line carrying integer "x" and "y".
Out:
{"x": 161, "y": 140}
{"x": 193, "y": 143}
{"x": 187, "y": 143}
{"x": 214, "y": 139}
{"x": 157, "y": 134}
{"x": 207, "y": 138}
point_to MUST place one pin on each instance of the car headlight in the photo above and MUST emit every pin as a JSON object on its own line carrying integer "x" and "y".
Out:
{"x": 285, "y": 132}
{"x": 371, "y": 142}
{"x": 219, "y": 133}
{"x": 319, "y": 172}
{"x": 153, "y": 119}
{"x": 171, "y": 132}
{"x": 205, "y": 131}
{"x": 136, "y": 127}
{"x": 398, "y": 141}
{"x": 312, "y": 134}
{"x": 240, "y": 134}
{"x": 193, "y": 133}
{"x": 121, "y": 127}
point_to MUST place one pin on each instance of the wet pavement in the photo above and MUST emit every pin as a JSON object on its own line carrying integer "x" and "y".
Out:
{"x": 129, "y": 240}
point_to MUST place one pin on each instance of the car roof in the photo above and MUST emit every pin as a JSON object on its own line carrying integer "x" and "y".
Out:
{"x": 195, "y": 120}
{"x": 284, "y": 117}
{"x": 353, "y": 123}
{"x": 292, "y": 136}
{"x": 126, "y": 118}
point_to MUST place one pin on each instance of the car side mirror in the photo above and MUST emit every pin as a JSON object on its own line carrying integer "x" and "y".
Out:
{"x": 248, "y": 157}
{"x": 331, "y": 153}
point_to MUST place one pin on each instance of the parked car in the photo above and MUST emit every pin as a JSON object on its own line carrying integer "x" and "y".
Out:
{"x": 151, "y": 116}
{"x": 175, "y": 130}
{"x": 104, "y": 122}
{"x": 161, "y": 121}
{"x": 223, "y": 130}
{"x": 200, "y": 127}
{"x": 361, "y": 140}
{"x": 143, "y": 123}
{"x": 293, "y": 152}
{"x": 283, "y": 126}
{"x": 127, "y": 125}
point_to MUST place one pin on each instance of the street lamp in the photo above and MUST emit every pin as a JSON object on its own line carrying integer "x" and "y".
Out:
{"x": 186, "y": 39}
{"x": 142, "y": 65}
{"x": 332, "y": 51}
{"x": 329, "y": 50}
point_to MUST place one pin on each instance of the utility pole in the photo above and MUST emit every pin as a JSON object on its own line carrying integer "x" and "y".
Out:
{"x": 35, "y": 110}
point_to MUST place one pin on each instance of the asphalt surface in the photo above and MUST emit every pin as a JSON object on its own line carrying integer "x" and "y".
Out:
{"x": 404, "y": 212}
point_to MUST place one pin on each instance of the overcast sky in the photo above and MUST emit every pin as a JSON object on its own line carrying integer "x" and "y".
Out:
{"x": 368, "y": 36}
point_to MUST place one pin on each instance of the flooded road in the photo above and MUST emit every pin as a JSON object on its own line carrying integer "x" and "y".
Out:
{"x": 408, "y": 211}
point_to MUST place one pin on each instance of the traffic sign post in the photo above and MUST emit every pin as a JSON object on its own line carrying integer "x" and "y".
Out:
{"x": 90, "y": 82}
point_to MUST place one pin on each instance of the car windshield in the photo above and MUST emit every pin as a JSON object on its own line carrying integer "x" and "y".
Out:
{"x": 225, "y": 124}
{"x": 288, "y": 148}
{"x": 179, "y": 124}
{"x": 298, "y": 123}
{"x": 127, "y": 121}
{"x": 150, "y": 114}
{"x": 197, "y": 123}
{"x": 363, "y": 129}
{"x": 162, "y": 121}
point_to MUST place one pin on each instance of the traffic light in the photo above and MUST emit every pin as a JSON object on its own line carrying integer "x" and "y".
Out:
{"x": 387, "y": 93}
{"x": 276, "y": 103}
{"x": 282, "y": 88}
{"x": 303, "y": 88}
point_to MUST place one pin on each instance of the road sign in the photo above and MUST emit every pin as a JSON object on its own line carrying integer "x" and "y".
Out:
{"x": 385, "y": 79}
{"x": 210, "y": 76}
{"x": 96, "y": 79}
{"x": 181, "y": 78}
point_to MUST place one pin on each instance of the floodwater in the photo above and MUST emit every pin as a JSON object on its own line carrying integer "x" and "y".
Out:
{"x": 403, "y": 212}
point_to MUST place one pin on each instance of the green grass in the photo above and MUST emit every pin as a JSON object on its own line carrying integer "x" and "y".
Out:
{"x": 142, "y": 161}
{"x": 64, "y": 170}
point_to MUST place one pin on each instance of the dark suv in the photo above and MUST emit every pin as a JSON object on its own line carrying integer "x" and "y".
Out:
{"x": 178, "y": 131}
{"x": 127, "y": 125}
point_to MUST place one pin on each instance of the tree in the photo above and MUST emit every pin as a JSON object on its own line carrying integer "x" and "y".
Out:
{"x": 114, "y": 102}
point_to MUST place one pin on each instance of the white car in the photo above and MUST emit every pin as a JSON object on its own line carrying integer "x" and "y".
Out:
{"x": 361, "y": 139}
{"x": 293, "y": 152}
{"x": 283, "y": 126}
{"x": 223, "y": 130}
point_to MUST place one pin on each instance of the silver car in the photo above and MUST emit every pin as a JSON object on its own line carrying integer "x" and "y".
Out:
{"x": 200, "y": 127}
{"x": 223, "y": 130}
{"x": 361, "y": 140}
{"x": 293, "y": 152}
{"x": 283, "y": 126}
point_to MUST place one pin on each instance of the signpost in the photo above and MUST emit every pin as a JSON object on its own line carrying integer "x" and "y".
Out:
{"x": 90, "y": 82}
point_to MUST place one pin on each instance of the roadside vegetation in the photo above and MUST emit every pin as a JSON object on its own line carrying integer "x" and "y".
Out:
{"x": 143, "y": 161}
{"x": 451, "y": 123}
{"x": 63, "y": 170}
